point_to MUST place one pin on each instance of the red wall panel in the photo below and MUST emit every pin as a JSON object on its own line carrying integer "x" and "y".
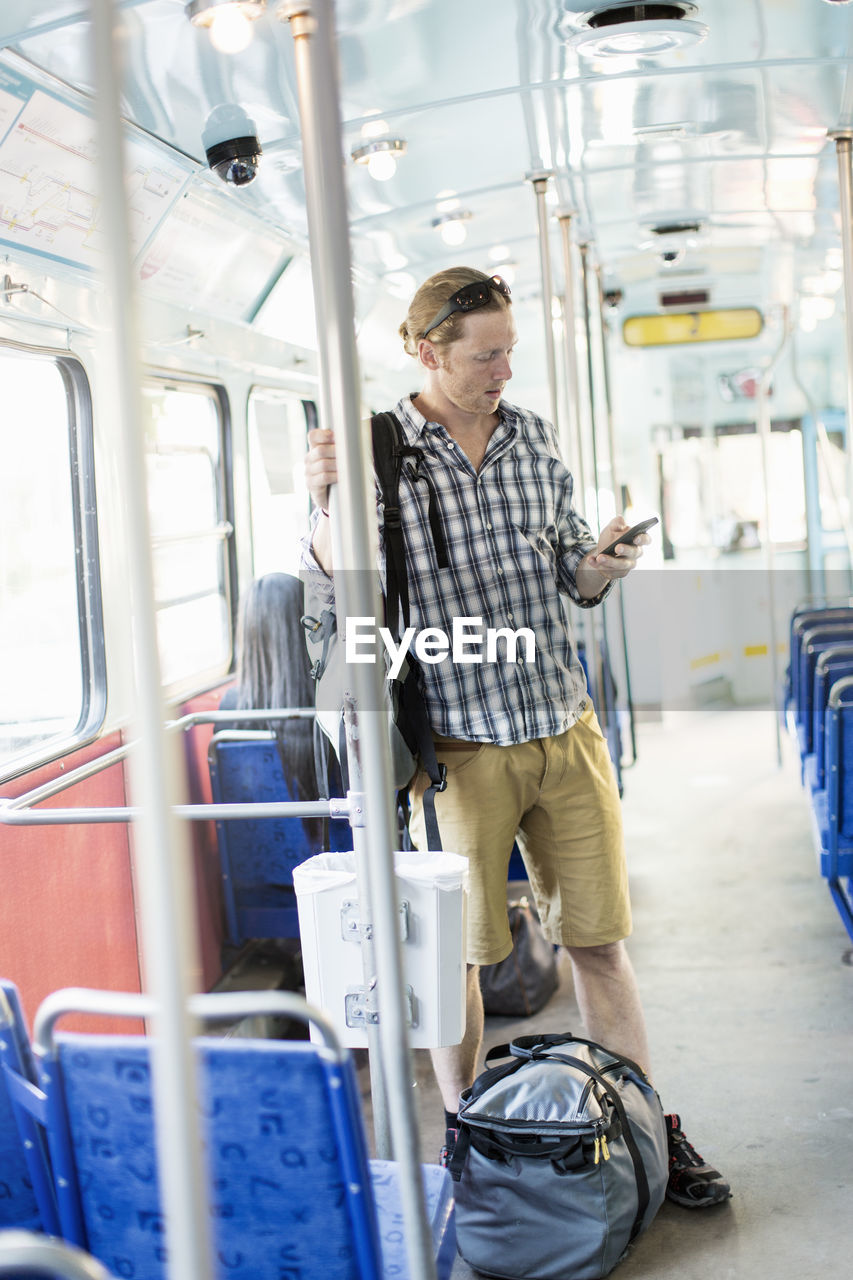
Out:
{"x": 66, "y": 893}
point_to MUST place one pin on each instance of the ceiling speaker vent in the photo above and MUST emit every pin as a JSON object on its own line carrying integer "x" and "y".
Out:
{"x": 619, "y": 13}
{"x": 637, "y": 30}
{"x": 685, "y": 298}
{"x": 676, "y": 228}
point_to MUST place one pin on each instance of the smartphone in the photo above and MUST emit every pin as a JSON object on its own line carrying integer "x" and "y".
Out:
{"x": 628, "y": 536}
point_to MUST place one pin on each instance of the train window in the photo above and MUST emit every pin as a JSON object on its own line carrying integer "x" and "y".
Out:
{"x": 185, "y": 433}
{"x": 715, "y": 491}
{"x": 277, "y": 428}
{"x": 52, "y": 682}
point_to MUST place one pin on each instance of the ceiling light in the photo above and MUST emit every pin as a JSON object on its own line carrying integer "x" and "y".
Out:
{"x": 451, "y": 227}
{"x": 380, "y": 156}
{"x": 637, "y": 30}
{"x": 506, "y": 270}
{"x": 228, "y": 21}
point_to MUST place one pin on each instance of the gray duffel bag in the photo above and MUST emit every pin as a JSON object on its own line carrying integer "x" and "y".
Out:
{"x": 561, "y": 1160}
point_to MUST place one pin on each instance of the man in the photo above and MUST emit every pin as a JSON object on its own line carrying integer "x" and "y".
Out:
{"x": 524, "y": 752}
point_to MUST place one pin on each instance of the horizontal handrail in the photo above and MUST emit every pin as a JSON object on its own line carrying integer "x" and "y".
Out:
{"x": 24, "y": 1253}
{"x": 828, "y": 655}
{"x": 22, "y": 816}
{"x": 836, "y": 693}
{"x": 210, "y": 1006}
{"x": 220, "y": 531}
{"x": 53, "y": 788}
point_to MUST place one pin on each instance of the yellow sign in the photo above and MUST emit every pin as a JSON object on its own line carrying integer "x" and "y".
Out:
{"x": 692, "y": 326}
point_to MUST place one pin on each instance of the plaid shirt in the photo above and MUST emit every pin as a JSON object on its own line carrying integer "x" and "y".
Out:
{"x": 514, "y": 544}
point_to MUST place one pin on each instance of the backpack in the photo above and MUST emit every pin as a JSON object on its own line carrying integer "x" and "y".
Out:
{"x": 409, "y": 729}
{"x": 561, "y": 1157}
{"x": 519, "y": 985}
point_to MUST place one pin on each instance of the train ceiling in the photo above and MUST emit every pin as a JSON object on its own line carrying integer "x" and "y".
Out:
{"x": 691, "y": 143}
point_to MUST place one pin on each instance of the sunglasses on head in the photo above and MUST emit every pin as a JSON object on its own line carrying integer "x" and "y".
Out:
{"x": 468, "y": 298}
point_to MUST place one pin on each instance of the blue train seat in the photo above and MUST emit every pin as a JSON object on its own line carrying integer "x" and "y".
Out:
{"x": 291, "y": 1189}
{"x": 832, "y": 807}
{"x": 26, "y": 1181}
{"x": 815, "y": 642}
{"x": 831, "y": 665}
{"x": 257, "y": 855}
{"x": 801, "y": 620}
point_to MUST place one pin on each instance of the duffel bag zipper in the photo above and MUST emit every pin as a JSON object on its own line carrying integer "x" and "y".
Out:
{"x": 601, "y": 1151}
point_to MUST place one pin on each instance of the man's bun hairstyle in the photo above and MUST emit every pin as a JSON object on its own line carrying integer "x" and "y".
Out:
{"x": 429, "y": 300}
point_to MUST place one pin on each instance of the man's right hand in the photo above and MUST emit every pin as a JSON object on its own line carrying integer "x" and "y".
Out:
{"x": 321, "y": 466}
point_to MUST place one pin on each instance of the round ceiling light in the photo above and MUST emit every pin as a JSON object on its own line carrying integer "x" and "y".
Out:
{"x": 639, "y": 39}
{"x": 638, "y": 30}
{"x": 380, "y": 156}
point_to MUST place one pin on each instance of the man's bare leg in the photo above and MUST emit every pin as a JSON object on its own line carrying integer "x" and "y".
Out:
{"x": 455, "y": 1067}
{"x": 609, "y": 1000}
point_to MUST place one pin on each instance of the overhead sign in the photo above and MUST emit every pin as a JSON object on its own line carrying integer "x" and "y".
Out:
{"x": 692, "y": 326}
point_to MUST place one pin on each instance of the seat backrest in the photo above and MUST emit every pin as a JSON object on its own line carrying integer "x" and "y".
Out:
{"x": 825, "y": 639}
{"x": 258, "y": 854}
{"x": 812, "y": 642}
{"x": 839, "y": 760}
{"x": 18, "y": 1202}
{"x": 801, "y": 621}
{"x": 287, "y": 1162}
{"x": 833, "y": 663}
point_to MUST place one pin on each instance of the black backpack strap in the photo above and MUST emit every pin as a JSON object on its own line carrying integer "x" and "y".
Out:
{"x": 389, "y": 453}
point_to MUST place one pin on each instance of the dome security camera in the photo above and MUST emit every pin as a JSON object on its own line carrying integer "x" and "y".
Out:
{"x": 231, "y": 144}
{"x": 669, "y": 257}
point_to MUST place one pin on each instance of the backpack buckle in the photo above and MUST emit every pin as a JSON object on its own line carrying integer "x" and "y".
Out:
{"x": 442, "y": 786}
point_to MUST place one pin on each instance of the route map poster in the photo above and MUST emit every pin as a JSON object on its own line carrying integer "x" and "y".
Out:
{"x": 49, "y": 201}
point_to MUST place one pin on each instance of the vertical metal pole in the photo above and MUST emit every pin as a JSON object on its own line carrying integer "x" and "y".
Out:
{"x": 574, "y": 450}
{"x": 843, "y": 152}
{"x": 597, "y": 655}
{"x": 811, "y": 484}
{"x": 162, "y": 856}
{"x": 617, "y": 493}
{"x": 764, "y": 437}
{"x": 590, "y": 374}
{"x": 356, "y": 594}
{"x": 540, "y": 186}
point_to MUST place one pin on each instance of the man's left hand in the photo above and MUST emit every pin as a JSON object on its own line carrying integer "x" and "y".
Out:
{"x": 596, "y": 570}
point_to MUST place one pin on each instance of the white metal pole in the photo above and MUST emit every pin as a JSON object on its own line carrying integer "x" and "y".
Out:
{"x": 843, "y": 152}
{"x": 764, "y": 428}
{"x": 573, "y": 446}
{"x": 540, "y": 186}
{"x": 312, "y": 26}
{"x": 162, "y": 856}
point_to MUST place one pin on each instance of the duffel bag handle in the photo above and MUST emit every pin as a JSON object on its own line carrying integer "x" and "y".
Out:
{"x": 538, "y": 1047}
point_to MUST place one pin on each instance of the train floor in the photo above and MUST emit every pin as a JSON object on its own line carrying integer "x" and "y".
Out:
{"x": 739, "y": 954}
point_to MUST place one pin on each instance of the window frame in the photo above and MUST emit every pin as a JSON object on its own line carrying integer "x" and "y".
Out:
{"x": 84, "y": 514}
{"x": 198, "y": 384}
{"x": 311, "y": 417}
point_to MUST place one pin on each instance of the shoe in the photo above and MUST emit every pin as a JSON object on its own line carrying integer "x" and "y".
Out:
{"x": 692, "y": 1183}
{"x": 451, "y": 1137}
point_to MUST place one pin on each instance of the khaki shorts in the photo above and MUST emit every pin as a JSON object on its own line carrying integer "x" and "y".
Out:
{"x": 558, "y": 796}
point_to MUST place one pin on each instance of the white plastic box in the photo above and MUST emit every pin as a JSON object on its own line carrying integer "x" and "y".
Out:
{"x": 432, "y": 896}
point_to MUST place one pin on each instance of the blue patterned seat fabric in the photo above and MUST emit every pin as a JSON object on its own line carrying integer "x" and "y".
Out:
{"x": 17, "y": 1200}
{"x": 284, "y": 1204}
